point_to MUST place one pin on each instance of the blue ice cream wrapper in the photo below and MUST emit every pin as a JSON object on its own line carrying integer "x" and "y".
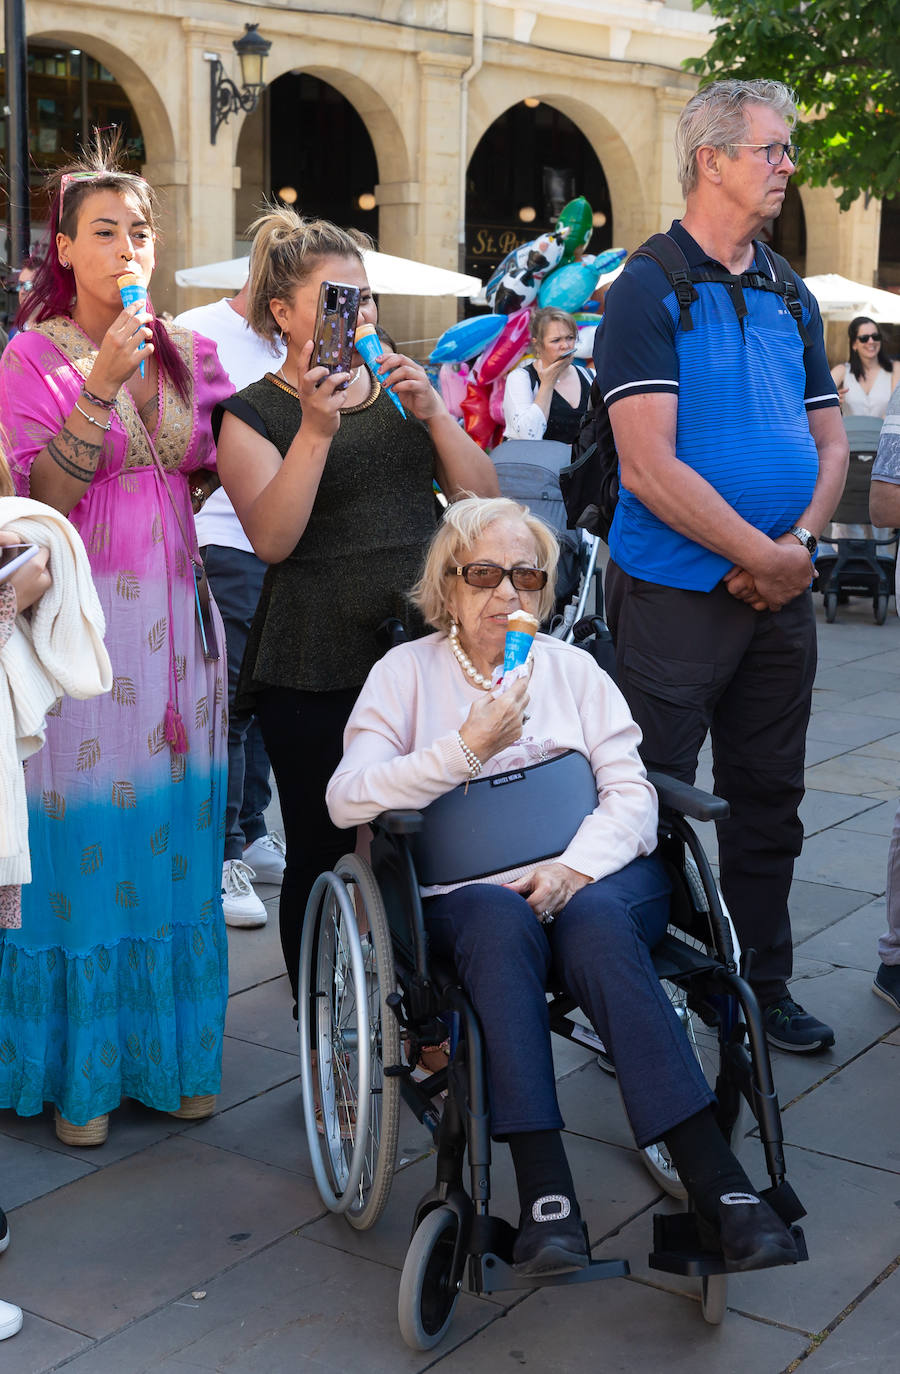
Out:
{"x": 516, "y": 649}
{"x": 370, "y": 347}
{"x": 130, "y": 295}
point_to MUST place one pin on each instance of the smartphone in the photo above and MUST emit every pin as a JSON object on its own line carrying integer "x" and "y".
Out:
{"x": 335, "y": 326}
{"x": 14, "y": 556}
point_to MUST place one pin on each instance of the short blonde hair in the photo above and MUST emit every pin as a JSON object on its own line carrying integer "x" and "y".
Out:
{"x": 465, "y": 521}
{"x": 285, "y": 250}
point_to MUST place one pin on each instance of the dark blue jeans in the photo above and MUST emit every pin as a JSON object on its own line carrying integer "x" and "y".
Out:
{"x": 598, "y": 950}
{"x": 236, "y": 578}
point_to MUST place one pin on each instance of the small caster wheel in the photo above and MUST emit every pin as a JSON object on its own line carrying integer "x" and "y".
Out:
{"x": 831, "y": 605}
{"x": 428, "y": 1295}
{"x": 881, "y": 609}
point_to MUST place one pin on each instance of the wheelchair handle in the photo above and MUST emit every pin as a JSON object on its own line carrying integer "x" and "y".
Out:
{"x": 689, "y": 801}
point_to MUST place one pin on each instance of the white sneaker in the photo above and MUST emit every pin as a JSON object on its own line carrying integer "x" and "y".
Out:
{"x": 266, "y": 856}
{"x": 10, "y": 1320}
{"x": 240, "y": 903}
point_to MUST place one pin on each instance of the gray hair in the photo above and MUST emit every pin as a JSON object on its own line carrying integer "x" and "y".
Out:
{"x": 717, "y": 117}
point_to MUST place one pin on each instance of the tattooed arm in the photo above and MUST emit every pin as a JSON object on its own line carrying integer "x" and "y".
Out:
{"x": 63, "y": 471}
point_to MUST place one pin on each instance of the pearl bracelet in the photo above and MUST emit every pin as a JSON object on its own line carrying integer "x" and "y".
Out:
{"x": 472, "y": 758}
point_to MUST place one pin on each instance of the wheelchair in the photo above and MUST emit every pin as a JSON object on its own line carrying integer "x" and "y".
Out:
{"x": 367, "y": 985}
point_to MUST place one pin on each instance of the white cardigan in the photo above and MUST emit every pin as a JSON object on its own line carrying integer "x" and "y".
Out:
{"x": 401, "y": 749}
{"x": 59, "y": 652}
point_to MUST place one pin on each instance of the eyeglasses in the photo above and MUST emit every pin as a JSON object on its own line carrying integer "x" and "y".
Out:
{"x": 867, "y": 338}
{"x": 489, "y": 575}
{"x": 774, "y": 151}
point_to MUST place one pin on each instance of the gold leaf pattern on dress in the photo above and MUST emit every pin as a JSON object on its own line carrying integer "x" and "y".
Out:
{"x": 91, "y": 859}
{"x": 181, "y": 563}
{"x": 204, "y": 815}
{"x": 60, "y": 905}
{"x": 150, "y": 958}
{"x": 133, "y": 957}
{"x": 127, "y": 483}
{"x": 201, "y": 713}
{"x": 108, "y": 1054}
{"x": 208, "y": 1038}
{"x": 177, "y": 767}
{"x": 133, "y": 1045}
{"x": 159, "y": 840}
{"x": 163, "y": 932}
{"x": 154, "y": 1051}
{"x": 156, "y": 529}
{"x": 56, "y": 708}
{"x": 180, "y": 667}
{"x": 7, "y": 1052}
{"x": 123, "y": 692}
{"x": 126, "y": 895}
{"x": 123, "y": 795}
{"x": 36, "y": 432}
{"x": 207, "y": 910}
{"x": 98, "y": 538}
{"x": 219, "y": 691}
{"x": 156, "y": 739}
{"x": 156, "y": 635}
{"x": 88, "y": 754}
{"x": 54, "y": 804}
{"x": 87, "y": 1067}
{"x": 87, "y": 968}
{"x": 223, "y": 722}
{"x": 179, "y": 868}
{"x": 103, "y": 960}
{"x": 128, "y": 585}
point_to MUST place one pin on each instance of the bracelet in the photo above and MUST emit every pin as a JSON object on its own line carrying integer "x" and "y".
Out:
{"x": 198, "y": 494}
{"x": 98, "y": 400}
{"x": 91, "y": 421}
{"x": 471, "y": 758}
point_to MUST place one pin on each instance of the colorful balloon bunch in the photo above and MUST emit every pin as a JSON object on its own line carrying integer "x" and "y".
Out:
{"x": 549, "y": 270}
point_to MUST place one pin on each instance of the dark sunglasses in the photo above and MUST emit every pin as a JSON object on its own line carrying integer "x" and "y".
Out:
{"x": 490, "y": 575}
{"x": 868, "y": 338}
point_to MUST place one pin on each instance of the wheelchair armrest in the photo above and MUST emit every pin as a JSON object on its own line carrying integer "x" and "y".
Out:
{"x": 400, "y": 822}
{"x": 689, "y": 801}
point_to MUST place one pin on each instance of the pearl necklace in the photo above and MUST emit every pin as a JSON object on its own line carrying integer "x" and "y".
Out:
{"x": 466, "y": 663}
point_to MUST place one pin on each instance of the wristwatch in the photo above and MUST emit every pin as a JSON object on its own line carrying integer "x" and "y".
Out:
{"x": 808, "y": 540}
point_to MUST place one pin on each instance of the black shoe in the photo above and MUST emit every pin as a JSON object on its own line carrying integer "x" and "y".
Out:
{"x": 789, "y": 1027}
{"x": 749, "y": 1234}
{"x": 887, "y": 984}
{"x": 552, "y": 1240}
{"x": 4, "y": 1231}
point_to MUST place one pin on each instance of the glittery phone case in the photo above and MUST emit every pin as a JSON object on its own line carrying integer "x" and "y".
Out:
{"x": 335, "y": 326}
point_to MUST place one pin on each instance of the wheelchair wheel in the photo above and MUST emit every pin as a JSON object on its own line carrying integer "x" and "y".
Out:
{"x": 713, "y": 1297}
{"x": 347, "y": 1037}
{"x": 428, "y": 1296}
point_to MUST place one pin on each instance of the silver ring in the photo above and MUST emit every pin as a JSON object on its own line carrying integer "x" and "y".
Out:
{"x": 546, "y": 918}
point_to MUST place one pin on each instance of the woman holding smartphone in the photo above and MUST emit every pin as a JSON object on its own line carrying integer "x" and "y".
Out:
{"x": 546, "y": 398}
{"x": 333, "y": 487}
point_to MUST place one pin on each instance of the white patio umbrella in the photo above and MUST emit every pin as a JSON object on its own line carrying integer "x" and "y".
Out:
{"x": 842, "y": 299}
{"x": 388, "y": 276}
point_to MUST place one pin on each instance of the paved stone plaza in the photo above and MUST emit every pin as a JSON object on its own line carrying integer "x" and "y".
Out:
{"x": 185, "y": 1249}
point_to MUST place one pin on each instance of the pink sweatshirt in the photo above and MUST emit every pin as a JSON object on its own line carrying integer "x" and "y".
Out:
{"x": 401, "y": 750}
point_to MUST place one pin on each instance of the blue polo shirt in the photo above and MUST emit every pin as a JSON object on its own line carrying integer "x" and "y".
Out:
{"x": 744, "y": 389}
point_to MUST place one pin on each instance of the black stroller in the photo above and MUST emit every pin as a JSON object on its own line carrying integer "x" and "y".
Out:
{"x": 863, "y": 559}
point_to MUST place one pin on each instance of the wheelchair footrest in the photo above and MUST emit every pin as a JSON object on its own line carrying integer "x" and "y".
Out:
{"x": 677, "y": 1248}
{"x": 490, "y": 1274}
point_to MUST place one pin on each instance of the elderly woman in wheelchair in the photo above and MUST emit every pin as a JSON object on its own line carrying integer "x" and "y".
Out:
{"x": 427, "y": 722}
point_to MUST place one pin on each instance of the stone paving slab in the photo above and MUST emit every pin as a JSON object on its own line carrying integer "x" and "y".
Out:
{"x": 851, "y": 1233}
{"x": 851, "y": 942}
{"x": 268, "y": 1128}
{"x": 887, "y": 748}
{"x": 854, "y": 1115}
{"x": 877, "y": 820}
{"x": 263, "y": 1015}
{"x": 816, "y": 906}
{"x": 855, "y": 680}
{"x": 295, "y": 1306}
{"x": 842, "y": 858}
{"x": 884, "y": 704}
{"x": 40, "y": 1345}
{"x": 838, "y": 727}
{"x": 825, "y": 807}
{"x": 105, "y": 1250}
{"x": 133, "y": 1127}
{"x": 254, "y": 955}
{"x": 591, "y": 1106}
{"x": 622, "y": 1327}
{"x": 866, "y": 1340}
{"x": 864, "y": 775}
{"x": 28, "y": 1171}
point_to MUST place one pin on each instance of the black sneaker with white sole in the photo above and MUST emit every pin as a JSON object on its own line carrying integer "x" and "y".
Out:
{"x": 789, "y": 1027}
{"x": 887, "y": 984}
{"x": 4, "y": 1231}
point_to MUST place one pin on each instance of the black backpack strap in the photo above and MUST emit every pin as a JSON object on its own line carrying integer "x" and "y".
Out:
{"x": 786, "y": 285}
{"x": 665, "y": 252}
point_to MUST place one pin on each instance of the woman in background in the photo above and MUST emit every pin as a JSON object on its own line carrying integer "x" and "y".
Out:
{"x": 866, "y": 382}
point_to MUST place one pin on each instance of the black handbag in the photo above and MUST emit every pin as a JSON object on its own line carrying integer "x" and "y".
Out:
{"x": 504, "y": 821}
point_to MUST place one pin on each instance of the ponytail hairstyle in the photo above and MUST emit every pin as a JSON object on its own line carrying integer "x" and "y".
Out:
{"x": 53, "y": 288}
{"x": 286, "y": 249}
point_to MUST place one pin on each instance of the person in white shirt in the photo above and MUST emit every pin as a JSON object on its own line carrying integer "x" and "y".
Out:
{"x": 235, "y": 575}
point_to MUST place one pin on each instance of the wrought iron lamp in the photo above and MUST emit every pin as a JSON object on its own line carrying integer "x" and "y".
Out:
{"x": 225, "y": 97}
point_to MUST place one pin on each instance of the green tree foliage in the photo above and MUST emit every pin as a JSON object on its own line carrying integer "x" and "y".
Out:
{"x": 842, "y": 57}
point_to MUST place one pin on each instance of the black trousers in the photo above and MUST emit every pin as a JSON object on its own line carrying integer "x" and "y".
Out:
{"x": 304, "y": 738}
{"x": 688, "y": 662}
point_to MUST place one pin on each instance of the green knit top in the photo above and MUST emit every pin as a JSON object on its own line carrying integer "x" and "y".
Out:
{"x": 361, "y": 552}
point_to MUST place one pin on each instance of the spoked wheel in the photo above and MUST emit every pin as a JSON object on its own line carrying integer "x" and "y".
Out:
{"x": 347, "y": 1036}
{"x": 428, "y": 1294}
{"x": 706, "y": 1043}
{"x": 713, "y": 1297}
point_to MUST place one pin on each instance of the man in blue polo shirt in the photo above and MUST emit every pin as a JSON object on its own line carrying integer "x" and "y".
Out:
{"x": 732, "y": 459}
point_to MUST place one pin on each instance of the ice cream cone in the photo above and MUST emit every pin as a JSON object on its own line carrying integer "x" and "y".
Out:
{"x": 132, "y": 289}
{"x": 370, "y": 347}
